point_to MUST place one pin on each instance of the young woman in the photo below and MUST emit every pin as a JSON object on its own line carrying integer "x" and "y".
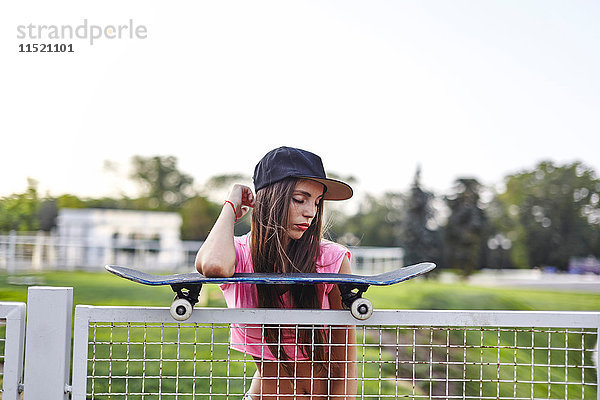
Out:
{"x": 285, "y": 236}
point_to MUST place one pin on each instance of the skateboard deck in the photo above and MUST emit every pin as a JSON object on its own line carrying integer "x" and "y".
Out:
{"x": 188, "y": 285}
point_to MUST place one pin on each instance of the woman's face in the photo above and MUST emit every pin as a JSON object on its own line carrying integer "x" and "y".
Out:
{"x": 303, "y": 207}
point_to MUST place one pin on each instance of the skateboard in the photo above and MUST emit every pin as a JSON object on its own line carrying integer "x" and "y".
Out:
{"x": 187, "y": 286}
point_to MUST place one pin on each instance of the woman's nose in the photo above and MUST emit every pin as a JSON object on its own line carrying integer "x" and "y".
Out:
{"x": 310, "y": 211}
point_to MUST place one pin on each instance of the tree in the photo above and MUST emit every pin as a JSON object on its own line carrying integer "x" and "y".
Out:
{"x": 198, "y": 215}
{"x": 47, "y": 213}
{"x": 19, "y": 211}
{"x": 467, "y": 228}
{"x": 553, "y": 213}
{"x": 166, "y": 187}
{"x": 70, "y": 201}
{"x": 420, "y": 243}
{"x": 217, "y": 187}
{"x": 376, "y": 223}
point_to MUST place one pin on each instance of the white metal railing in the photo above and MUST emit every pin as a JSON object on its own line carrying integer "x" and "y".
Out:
{"x": 376, "y": 260}
{"x": 39, "y": 251}
{"x": 12, "y": 335}
{"x": 137, "y": 353}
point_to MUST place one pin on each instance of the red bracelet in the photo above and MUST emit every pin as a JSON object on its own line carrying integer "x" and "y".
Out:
{"x": 234, "y": 212}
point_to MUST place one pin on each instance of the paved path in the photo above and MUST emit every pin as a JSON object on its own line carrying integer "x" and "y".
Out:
{"x": 537, "y": 280}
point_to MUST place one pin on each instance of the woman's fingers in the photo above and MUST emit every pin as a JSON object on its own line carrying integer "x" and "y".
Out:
{"x": 242, "y": 198}
{"x": 247, "y": 197}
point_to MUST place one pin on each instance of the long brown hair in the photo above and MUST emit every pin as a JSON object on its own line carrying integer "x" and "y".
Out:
{"x": 272, "y": 250}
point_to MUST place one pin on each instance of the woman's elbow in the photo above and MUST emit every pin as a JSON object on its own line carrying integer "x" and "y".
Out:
{"x": 217, "y": 271}
{"x": 215, "y": 268}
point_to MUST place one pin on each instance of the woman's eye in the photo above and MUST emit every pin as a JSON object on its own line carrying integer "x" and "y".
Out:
{"x": 298, "y": 201}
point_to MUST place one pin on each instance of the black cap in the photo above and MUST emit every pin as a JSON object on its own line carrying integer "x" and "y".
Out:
{"x": 285, "y": 162}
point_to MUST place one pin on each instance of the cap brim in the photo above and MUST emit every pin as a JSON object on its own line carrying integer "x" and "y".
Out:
{"x": 336, "y": 190}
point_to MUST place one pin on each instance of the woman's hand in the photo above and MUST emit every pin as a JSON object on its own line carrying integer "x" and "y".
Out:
{"x": 242, "y": 198}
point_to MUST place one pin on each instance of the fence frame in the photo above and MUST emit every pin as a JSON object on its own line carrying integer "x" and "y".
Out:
{"x": 518, "y": 319}
{"x": 14, "y": 313}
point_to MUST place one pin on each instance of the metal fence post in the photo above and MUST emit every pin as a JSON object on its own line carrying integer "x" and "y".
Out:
{"x": 80, "y": 352}
{"x": 48, "y": 343}
{"x": 11, "y": 253}
{"x": 14, "y": 313}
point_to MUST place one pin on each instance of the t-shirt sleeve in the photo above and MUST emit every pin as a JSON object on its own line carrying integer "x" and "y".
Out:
{"x": 330, "y": 259}
{"x": 242, "y": 254}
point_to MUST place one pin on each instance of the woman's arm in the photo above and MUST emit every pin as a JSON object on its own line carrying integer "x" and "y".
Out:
{"x": 216, "y": 257}
{"x": 344, "y": 351}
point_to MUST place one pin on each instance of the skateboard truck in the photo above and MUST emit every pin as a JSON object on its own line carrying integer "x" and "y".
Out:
{"x": 360, "y": 308}
{"x": 185, "y": 298}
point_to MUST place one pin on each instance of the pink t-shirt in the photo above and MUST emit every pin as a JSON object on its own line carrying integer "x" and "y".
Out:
{"x": 249, "y": 338}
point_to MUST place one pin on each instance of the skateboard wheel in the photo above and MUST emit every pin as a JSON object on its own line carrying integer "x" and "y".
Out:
{"x": 361, "y": 308}
{"x": 181, "y": 309}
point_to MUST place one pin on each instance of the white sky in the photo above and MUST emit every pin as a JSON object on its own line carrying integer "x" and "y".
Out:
{"x": 477, "y": 88}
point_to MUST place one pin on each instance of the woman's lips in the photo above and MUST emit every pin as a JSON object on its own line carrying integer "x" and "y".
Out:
{"x": 303, "y": 227}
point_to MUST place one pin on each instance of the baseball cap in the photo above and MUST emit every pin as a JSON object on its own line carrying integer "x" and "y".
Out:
{"x": 285, "y": 162}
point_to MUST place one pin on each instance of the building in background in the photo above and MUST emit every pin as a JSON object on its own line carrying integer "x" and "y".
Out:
{"x": 97, "y": 237}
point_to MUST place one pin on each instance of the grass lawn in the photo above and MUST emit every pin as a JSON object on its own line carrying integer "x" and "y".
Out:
{"x": 426, "y": 294}
{"x": 102, "y": 288}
